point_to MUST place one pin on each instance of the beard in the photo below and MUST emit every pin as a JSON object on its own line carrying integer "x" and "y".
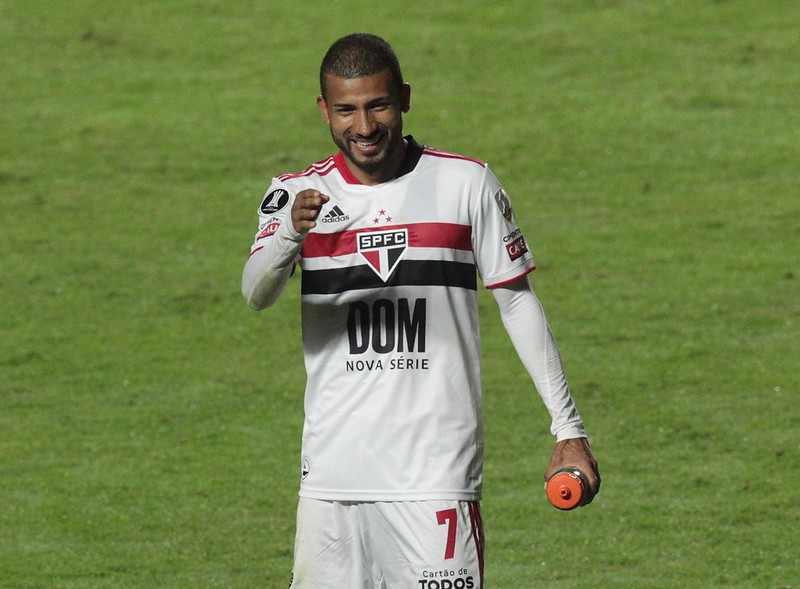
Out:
{"x": 392, "y": 138}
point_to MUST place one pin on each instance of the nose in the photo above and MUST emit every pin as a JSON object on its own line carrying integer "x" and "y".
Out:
{"x": 364, "y": 125}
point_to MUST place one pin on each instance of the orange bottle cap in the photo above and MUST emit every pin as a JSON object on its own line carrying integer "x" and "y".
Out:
{"x": 565, "y": 490}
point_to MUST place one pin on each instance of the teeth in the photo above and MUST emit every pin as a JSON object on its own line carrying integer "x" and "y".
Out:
{"x": 365, "y": 145}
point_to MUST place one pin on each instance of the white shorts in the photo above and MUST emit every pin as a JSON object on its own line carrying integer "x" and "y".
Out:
{"x": 388, "y": 545}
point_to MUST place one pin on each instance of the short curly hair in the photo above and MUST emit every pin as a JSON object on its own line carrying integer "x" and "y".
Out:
{"x": 360, "y": 54}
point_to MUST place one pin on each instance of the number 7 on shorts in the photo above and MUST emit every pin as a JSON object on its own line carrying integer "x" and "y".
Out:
{"x": 449, "y": 517}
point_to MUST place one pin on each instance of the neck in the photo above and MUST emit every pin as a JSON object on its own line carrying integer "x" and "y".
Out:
{"x": 385, "y": 173}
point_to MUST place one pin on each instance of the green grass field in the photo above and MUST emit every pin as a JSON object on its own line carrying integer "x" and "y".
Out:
{"x": 150, "y": 423}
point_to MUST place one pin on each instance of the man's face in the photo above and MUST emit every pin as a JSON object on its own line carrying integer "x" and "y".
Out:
{"x": 366, "y": 122}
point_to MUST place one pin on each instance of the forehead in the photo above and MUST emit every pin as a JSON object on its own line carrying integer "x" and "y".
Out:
{"x": 358, "y": 90}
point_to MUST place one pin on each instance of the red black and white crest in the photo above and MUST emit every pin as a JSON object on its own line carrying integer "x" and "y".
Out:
{"x": 383, "y": 249}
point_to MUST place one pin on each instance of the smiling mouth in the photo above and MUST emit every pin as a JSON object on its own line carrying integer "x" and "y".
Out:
{"x": 367, "y": 147}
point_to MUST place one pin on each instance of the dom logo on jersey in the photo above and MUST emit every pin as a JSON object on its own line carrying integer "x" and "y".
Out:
{"x": 383, "y": 249}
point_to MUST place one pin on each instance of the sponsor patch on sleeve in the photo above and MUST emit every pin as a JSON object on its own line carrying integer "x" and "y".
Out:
{"x": 269, "y": 229}
{"x": 517, "y": 248}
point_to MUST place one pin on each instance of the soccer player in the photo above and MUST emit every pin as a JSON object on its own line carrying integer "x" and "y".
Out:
{"x": 391, "y": 236}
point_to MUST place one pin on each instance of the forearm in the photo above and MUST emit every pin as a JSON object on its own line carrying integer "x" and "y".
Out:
{"x": 269, "y": 267}
{"x": 525, "y": 322}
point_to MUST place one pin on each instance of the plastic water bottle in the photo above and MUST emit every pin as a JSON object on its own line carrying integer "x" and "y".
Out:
{"x": 566, "y": 489}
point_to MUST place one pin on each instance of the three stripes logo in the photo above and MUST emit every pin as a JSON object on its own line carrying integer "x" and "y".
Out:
{"x": 335, "y": 215}
{"x": 383, "y": 249}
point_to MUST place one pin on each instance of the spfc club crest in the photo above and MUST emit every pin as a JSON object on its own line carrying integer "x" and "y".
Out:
{"x": 383, "y": 249}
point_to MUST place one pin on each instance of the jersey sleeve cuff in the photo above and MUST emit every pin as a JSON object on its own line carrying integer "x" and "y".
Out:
{"x": 509, "y": 277}
{"x": 570, "y": 432}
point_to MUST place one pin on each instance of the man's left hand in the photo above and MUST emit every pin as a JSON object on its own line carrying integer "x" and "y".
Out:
{"x": 576, "y": 453}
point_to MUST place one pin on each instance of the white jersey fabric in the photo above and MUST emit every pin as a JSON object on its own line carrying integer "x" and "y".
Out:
{"x": 393, "y": 407}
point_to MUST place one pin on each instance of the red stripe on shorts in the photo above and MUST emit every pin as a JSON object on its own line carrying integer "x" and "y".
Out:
{"x": 477, "y": 534}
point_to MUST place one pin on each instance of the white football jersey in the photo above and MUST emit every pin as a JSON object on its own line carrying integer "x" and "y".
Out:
{"x": 393, "y": 407}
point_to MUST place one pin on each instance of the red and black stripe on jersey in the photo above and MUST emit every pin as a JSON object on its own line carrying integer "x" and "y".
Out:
{"x": 410, "y": 271}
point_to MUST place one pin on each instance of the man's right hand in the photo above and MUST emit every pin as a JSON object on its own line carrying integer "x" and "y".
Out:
{"x": 305, "y": 209}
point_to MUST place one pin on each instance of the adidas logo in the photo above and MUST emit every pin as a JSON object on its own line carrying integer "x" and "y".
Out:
{"x": 335, "y": 215}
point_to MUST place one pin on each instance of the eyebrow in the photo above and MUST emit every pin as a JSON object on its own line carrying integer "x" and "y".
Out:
{"x": 374, "y": 102}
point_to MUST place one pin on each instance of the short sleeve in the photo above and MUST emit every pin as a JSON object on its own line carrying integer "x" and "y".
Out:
{"x": 501, "y": 252}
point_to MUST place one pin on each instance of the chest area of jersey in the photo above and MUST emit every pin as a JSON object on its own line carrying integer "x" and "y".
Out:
{"x": 387, "y": 208}
{"x": 381, "y": 233}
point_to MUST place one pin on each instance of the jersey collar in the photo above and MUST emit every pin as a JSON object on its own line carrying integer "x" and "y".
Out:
{"x": 410, "y": 161}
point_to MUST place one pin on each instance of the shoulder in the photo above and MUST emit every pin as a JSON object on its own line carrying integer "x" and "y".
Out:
{"x": 442, "y": 156}
{"x": 318, "y": 169}
{"x": 284, "y": 187}
{"x": 455, "y": 166}
{"x": 459, "y": 169}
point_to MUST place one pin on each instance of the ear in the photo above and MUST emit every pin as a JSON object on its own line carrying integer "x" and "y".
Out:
{"x": 323, "y": 108}
{"x": 405, "y": 97}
